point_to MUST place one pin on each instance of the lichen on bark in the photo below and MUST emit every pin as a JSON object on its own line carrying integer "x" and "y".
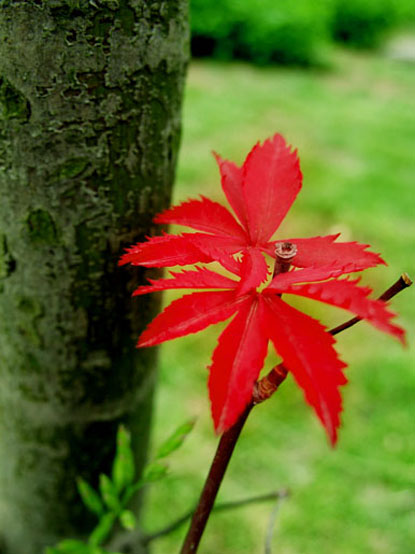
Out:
{"x": 90, "y": 95}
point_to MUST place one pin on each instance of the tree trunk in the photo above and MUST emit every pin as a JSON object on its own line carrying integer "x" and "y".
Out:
{"x": 90, "y": 95}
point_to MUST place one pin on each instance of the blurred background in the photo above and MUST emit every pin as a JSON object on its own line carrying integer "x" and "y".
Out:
{"x": 337, "y": 79}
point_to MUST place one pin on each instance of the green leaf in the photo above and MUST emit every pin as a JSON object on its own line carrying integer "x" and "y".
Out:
{"x": 153, "y": 472}
{"x": 109, "y": 493}
{"x": 131, "y": 490}
{"x": 128, "y": 520}
{"x": 90, "y": 497}
{"x": 123, "y": 469}
{"x": 70, "y": 546}
{"x": 175, "y": 440}
{"x": 103, "y": 529}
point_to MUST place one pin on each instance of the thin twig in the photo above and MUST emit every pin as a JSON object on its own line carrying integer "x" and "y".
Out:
{"x": 273, "y": 520}
{"x": 229, "y": 438}
{"x": 402, "y": 283}
{"x": 274, "y": 495}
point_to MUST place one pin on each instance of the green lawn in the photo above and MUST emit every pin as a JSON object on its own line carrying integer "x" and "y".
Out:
{"x": 354, "y": 127}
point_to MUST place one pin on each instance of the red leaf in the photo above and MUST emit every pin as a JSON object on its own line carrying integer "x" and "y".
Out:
{"x": 202, "y": 278}
{"x": 236, "y": 364}
{"x": 307, "y": 275}
{"x": 271, "y": 182}
{"x": 253, "y": 271}
{"x": 231, "y": 264}
{"x": 323, "y": 251}
{"x": 203, "y": 215}
{"x": 347, "y": 295}
{"x": 219, "y": 249}
{"x": 188, "y": 248}
{"x": 260, "y": 193}
{"x": 163, "y": 251}
{"x": 190, "y": 314}
{"x": 307, "y": 351}
{"x": 216, "y": 247}
{"x": 231, "y": 178}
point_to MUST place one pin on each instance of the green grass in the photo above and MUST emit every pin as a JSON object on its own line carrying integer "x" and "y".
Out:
{"x": 355, "y": 131}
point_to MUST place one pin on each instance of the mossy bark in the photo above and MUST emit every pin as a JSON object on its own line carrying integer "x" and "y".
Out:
{"x": 90, "y": 95}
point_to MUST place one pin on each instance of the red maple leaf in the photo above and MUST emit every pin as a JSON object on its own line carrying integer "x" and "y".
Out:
{"x": 259, "y": 317}
{"x": 260, "y": 193}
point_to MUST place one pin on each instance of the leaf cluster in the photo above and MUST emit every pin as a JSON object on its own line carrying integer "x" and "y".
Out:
{"x": 110, "y": 502}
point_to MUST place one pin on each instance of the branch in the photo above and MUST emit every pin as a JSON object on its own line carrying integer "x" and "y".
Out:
{"x": 269, "y": 384}
{"x": 402, "y": 283}
{"x": 274, "y": 495}
{"x": 262, "y": 390}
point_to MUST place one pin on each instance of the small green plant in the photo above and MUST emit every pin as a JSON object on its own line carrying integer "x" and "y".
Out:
{"x": 110, "y": 503}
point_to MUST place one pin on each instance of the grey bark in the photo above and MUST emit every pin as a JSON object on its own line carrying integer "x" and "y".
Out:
{"x": 90, "y": 94}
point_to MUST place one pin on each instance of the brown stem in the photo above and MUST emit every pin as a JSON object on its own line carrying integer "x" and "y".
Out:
{"x": 403, "y": 282}
{"x": 263, "y": 389}
{"x": 285, "y": 252}
{"x": 214, "y": 479}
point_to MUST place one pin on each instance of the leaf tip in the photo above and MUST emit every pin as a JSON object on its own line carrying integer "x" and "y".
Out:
{"x": 217, "y": 157}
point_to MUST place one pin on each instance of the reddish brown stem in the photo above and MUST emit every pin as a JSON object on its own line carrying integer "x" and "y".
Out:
{"x": 285, "y": 252}
{"x": 214, "y": 479}
{"x": 403, "y": 282}
{"x": 263, "y": 390}
{"x": 265, "y": 387}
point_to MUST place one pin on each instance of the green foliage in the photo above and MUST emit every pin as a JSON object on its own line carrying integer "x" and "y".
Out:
{"x": 290, "y": 32}
{"x": 363, "y": 23}
{"x": 154, "y": 472}
{"x": 103, "y": 529}
{"x": 111, "y": 503}
{"x": 265, "y": 31}
{"x": 71, "y": 546}
{"x": 90, "y": 497}
{"x": 175, "y": 440}
{"x": 128, "y": 520}
{"x": 405, "y": 11}
{"x": 123, "y": 469}
{"x": 109, "y": 492}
